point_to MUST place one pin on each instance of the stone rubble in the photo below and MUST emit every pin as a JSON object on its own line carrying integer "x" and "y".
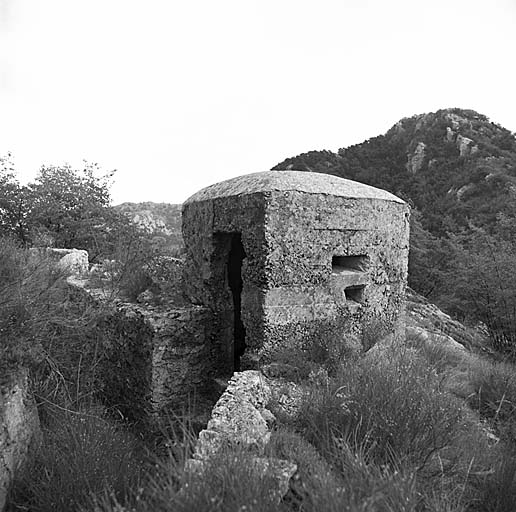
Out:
{"x": 240, "y": 420}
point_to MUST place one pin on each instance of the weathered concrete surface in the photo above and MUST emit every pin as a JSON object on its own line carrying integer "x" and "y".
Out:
{"x": 297, "y": 229}
{"x": 180, "y": 357}
{"x": 19, "y": 428}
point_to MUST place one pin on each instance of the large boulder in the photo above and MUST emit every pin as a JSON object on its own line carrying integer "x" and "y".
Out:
{"x": 74, "y": 261}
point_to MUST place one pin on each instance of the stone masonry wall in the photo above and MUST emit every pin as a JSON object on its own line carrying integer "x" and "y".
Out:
{"x": 241, "y": 421}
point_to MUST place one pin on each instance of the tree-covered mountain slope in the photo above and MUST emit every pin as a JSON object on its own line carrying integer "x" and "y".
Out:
{"x": 455, "y": 166}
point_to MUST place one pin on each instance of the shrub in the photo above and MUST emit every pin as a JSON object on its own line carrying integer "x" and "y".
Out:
{"x": 374, "y": 329}
{"x": 323, "y": 346}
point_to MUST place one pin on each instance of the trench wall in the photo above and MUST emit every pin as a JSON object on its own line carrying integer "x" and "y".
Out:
{"x": 19, "y": 428}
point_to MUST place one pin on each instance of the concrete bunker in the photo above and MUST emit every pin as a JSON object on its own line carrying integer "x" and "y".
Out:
{"x": 278, "y": 257}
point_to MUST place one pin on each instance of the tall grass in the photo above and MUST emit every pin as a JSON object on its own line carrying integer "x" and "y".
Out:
{"x": 395, "y": 407}
{"x": 30, "y": 289}
{"x": 380, "y": 431}
{"x": 82, "y": 453}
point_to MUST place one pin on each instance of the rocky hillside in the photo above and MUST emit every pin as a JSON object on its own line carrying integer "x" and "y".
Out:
{"x": 455, "y": 166}
{"x": 157, "y": 219}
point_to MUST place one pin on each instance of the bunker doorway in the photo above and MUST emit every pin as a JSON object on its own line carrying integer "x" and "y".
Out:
{"x": 235, "y": 259}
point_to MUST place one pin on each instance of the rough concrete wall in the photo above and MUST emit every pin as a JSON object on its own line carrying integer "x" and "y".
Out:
{"x": 127, "y": 366}
{"x": 201, "y": 220}
{"x": 158, "y": 357}
{"x": 154, "y": 354}
{"x": 305, "y": 296}
{"x": 19, "y": 428}
{"x": 181, "y": 365}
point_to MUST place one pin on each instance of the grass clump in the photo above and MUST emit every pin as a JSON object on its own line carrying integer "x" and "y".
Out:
{"x": 354, "y": 483}
{"x": 393, "y": 406}
{"x": 82, "y": 453}
{"x": 228, "y": 483}
{"x": 494, "y": 390}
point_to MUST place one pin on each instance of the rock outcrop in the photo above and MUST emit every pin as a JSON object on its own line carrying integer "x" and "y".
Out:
{"x": 416, "y": 158}
{"x": 73, "y": 261}
{"x": 425, "y": 319}
{"x": 466, "y": 146}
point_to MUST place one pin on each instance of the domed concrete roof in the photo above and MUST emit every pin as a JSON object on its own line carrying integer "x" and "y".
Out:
{"x": 300, "y": 181}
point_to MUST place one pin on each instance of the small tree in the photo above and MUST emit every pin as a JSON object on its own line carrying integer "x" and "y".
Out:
{"x": 429, "y": 260}
{"x": 71, "y": 208}
{"x": 12, "y": 202}
{"x": 483, "y": 282}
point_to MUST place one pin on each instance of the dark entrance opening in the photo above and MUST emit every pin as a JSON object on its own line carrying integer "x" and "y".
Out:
{"x": 235, "y": 259}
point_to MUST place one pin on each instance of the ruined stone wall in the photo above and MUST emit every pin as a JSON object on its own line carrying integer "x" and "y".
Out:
{"x": 19, "y": 428}
{"x": 240, "y": 421}
{"x": 157, "y": 358}
{"x": 153, "y": 356}
{"x": 126, "y": 368}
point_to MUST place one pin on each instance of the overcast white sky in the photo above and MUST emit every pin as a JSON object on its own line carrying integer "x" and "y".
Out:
{"x": 177, "y": 95}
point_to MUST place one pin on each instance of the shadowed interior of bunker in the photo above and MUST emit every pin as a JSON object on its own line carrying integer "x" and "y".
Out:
{"x": 234, "y": 270}
{"x": 227, "y": 263}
